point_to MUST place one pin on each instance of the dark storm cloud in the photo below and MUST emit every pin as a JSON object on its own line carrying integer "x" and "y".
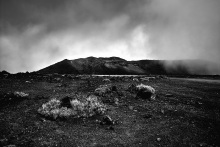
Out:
{"x": 36, "y": 33}
{"x": 58, "y": 15}
{"x": 49, "y": 30}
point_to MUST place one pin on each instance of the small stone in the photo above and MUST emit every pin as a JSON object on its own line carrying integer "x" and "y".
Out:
{"x": 42, "y": 119}
{"x": 11, "y": 145}
{"x": 114, "y": 88}
{"x": 158, "y": 139}
{"x": 147, "y": 116}
{"x": 3, "y": 140}
{"x": 116, "y": 101}
{"x": 58, "y": 131}
{"x": 110, "y": 128}
{"x": 131, "y": 107}
{"x": 202, "y": 144}
{"x": 106, "y": 120}
{"x": 168, "y": 95}
{"x": 200, "y": 103}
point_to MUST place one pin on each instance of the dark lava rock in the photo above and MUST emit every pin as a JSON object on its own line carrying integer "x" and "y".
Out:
{"x": 145, "y": 92}
{"x": 89, "y": 83}
{"x": 12, "y": 98}
{"x": 65, "y": 102}
{"x": 110, "y": 128}
{"x": 132, "y": 88}
{"x": 107, "y": 120}
{"x": 147, "y": 116}
{"x": 168, "y": 95}
{"x": 114, "y": 88}
{"x": 120, "y": 93}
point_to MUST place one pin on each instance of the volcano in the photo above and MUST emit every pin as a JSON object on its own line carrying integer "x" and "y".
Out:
{"x": 119, "y": 66}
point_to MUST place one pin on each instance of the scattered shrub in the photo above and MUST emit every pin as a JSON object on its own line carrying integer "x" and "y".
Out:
{"x": 106, "y": 80}
{"x": 102, "y": 90}
{"x": 89, "y": 107}
{"x": 9, "y": 99}
{"x": 93, "y": 106}
{"x": 50, "y": 109}
{"x": 21, "y": 94}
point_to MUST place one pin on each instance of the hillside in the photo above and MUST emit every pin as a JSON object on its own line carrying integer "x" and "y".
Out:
{"x": 119, "y": 66}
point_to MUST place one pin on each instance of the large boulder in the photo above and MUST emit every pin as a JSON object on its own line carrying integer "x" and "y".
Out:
{"x": 145, "y": 92}
{"x": 65, "y": 102}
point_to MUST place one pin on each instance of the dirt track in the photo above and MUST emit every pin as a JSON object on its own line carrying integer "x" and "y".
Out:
{"x": 185, "y": 113}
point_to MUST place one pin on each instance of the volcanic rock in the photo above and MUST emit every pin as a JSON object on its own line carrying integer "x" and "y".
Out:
{"x": 145, "y": 92}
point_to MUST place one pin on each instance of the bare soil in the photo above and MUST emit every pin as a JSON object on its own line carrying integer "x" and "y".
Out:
{"x": 185, "y": 113}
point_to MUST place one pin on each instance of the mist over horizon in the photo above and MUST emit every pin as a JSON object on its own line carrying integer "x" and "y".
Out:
{"x": 37, "y": 33}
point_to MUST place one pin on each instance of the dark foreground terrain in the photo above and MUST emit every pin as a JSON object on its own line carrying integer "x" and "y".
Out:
{"x": 184, "y": 113}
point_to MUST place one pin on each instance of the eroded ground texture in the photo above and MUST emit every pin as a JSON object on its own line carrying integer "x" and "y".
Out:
{"x": 184, "y": 113}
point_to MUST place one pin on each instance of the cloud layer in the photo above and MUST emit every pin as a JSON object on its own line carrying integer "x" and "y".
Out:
{"x": 37, "y": 33}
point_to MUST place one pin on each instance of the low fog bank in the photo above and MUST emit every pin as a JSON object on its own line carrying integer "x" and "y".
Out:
{"x": 196, "y": 67}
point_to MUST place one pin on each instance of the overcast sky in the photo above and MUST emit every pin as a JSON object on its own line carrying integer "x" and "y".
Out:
{"x": 37, "y": 33}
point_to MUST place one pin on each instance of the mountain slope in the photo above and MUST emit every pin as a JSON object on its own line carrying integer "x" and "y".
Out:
{"x": 64, "y": 66}
{"x": 116, "y": 65}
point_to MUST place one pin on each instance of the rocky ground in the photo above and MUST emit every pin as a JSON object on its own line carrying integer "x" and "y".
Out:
{"x": 184, "y": 113}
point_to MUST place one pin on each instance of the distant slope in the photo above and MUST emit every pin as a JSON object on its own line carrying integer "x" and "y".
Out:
{"x": 64, "y": 66}
{"x": 116, "y": 65}
{"x": 4, "y": 72}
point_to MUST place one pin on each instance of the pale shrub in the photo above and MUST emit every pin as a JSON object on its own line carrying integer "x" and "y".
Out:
{"x": 89, "y": 107}
{"x": 65, "y": 112}
{"x": 102, "y": 89}
{"x": 21, "y": 94}
{"x": 146, "y": 87}
{"x": 77, "y": 105}
{"x": 94, "y": 106}
{"x": 50, "y": 108}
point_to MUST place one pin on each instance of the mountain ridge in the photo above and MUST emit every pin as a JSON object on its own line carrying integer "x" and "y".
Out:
{"x": 119, "y": 66}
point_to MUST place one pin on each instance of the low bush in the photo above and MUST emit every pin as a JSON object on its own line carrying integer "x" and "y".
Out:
{"x": 21, "y": 94}
{"x": 80, "y": 108}
{"x": 102, "y": 90}
{"x": 142, "y": 91}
